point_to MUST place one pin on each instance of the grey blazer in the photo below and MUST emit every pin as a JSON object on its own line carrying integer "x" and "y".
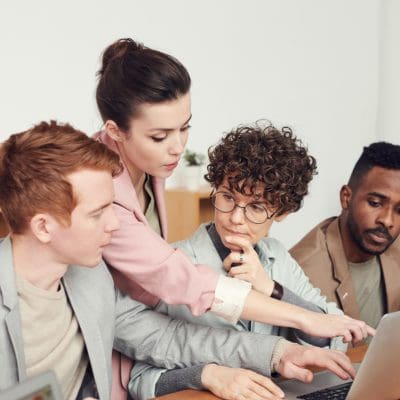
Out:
{"x": 107, "y": 318}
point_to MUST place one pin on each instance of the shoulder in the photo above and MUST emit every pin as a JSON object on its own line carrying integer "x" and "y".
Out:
{"x": 194, "y": 243}
{"x": 392, "y": 253}
{"x": 313, "y": 243}
{"x": 281, "y": 261}
{"x": 96, "y": 278}
{"x": 272, "y": 248}
{"x": 91, "y": 290}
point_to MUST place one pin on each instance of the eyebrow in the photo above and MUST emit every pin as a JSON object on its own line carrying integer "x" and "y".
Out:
{"x": 102, "y": 207}
{"x": 171, "y": 129}
{"x": 376, "y": 194}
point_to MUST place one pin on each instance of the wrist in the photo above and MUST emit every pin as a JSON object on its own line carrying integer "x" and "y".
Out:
{"x": 207, "y": 374}
{"x": 266, "y": 288}
{"x": 277, "y": 290}
{"x": 278, "y": 353}
{"x": 303, "y": 319}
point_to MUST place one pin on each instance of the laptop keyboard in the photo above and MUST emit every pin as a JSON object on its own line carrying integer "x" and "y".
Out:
{"x": 338, "y": 392}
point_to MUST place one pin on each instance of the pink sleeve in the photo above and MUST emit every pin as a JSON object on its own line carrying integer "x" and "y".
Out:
{"x": 139, "y": 256}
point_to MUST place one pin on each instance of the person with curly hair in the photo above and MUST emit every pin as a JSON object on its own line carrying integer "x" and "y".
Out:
{"x": 355, "y": 258}
{"x": 259, "y": 175}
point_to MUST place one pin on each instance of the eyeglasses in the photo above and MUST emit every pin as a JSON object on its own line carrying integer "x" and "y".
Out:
{"x": 254, "y": 212}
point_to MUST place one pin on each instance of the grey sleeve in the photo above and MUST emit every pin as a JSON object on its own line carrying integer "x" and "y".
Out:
{"x": 161, "y": 341}
{"x": 293, "y": 298}
{"x": 180, "y": 379}
{"x": 300, "y": 336}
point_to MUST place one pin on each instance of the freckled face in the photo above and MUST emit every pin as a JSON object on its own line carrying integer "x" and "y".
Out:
{"x": 157, "y": 137}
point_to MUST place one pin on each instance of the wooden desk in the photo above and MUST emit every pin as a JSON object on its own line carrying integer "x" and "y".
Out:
{"x": 356, "y": 355}
{"x": 186, "y": 210}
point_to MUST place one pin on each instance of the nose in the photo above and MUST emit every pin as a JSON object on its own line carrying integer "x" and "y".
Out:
{"x": 177, "y": 144}
{"x": 237, "y": 215}
{"x": 386, "y": 217}
{"x": 112, "y": 223}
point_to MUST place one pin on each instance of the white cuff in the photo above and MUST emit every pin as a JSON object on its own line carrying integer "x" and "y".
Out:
{"x": 230, "y": 296}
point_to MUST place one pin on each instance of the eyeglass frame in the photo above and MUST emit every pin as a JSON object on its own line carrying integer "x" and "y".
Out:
{"x": 212, "y": 198}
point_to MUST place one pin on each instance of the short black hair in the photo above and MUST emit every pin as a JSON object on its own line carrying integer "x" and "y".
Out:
{"x": 378, "y": 154}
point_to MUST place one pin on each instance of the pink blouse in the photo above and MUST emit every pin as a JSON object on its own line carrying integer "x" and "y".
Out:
{"x": 146, "y": 267}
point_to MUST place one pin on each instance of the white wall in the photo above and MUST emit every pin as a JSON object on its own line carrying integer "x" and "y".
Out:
{"x": 314, "y": 65}
{"x": 388, "y": 123}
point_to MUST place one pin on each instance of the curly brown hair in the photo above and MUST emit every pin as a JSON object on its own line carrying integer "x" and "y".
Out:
{"x": 250, "y": 155}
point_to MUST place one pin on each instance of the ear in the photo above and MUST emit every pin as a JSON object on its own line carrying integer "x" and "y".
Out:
{"x": 42, "y": 226}
{"x": 280, "y": 218}
{"x": 113, "y": 131}
{"x": 345, "y": 196}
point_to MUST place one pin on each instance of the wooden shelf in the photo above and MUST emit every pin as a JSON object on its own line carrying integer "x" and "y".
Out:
{"x": 186, "y": 210}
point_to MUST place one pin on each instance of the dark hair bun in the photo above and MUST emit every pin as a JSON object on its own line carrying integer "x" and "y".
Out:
{"x": 117, "y": 50}
{"x": 132, "y": 74}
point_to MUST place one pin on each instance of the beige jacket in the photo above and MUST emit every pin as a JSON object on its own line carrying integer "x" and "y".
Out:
{"x": 321, "y": 255}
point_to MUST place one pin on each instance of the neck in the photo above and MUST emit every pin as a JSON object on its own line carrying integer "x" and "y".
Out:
{"x": 34, "y": 262}
{"x": 352, "y": 251}
{"x": 137, "y": 176}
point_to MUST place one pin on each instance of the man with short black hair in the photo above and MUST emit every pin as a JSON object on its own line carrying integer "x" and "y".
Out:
{"x": 354, "y": 258}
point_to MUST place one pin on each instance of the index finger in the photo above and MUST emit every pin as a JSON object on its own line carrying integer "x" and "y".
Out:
{"x": 241, "y": 242}
{"x": 371, "y": 331}
{"x": 268, "y": 384}
{"x": 338, "y": 363}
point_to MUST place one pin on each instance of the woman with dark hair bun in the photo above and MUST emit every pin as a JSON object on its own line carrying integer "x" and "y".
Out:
{"x": 143, "y": 96}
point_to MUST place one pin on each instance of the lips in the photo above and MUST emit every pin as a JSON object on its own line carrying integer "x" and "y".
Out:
{"x": 377, "y": 238}
{"x": 172, "y": 165}
{"x": 105, "y": 244}
{"x": 235, "y": 233}
{"x": 380, "y": 236}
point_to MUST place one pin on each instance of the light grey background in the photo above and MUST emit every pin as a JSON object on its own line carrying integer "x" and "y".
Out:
{"x": 326, "y": 68}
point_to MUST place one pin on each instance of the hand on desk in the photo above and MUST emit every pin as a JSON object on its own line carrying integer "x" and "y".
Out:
{"x": 296, "y": 358}
{"x": 237, "y": 384}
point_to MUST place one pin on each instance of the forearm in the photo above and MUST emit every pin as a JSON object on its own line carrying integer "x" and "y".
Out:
{"x": 157, "y": 339}
{"x": 293, "y": 298}
{"x": 261, "y": 308}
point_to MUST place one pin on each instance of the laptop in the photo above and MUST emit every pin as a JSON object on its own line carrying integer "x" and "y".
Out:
{"x": 40, "y": 387}
{"x": 377, "y": 377}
